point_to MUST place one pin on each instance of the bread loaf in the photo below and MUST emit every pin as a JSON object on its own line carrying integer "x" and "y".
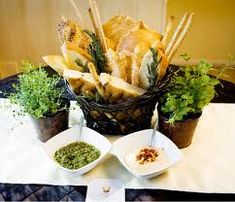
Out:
{"x": 81, "y": 83}
{"x": 56, "y": 62}
{"x": 117, "y": 88}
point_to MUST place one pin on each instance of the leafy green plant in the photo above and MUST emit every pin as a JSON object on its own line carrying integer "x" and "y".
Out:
{"x": 37, "y": 93}
{"x": 189, "y": 91}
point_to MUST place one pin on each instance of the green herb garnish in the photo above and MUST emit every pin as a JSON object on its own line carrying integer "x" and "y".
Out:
{"x": 96, "y": 98}
{"x": 152, "y": 73}
{"x": 79, "y": 62}
{"x": 36, "y": 92}
{"x": 96, "y": 52}
{"x": 76, "y": 155}
{"x": 188, "y": 92}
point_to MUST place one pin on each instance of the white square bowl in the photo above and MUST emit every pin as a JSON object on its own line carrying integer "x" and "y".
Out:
{"x": 71, "y": 135}
{"x": 126, "y": 144}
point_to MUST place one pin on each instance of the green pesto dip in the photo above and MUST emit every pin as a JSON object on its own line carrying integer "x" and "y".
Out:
{"x": 76, "y": 155}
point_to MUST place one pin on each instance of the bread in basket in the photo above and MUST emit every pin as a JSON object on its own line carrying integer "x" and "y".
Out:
{"x": 116, "y": 71}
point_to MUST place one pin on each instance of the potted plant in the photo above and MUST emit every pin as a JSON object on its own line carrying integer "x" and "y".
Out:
{"x": 39, "y": 95}
{"x": 181, "y": 105}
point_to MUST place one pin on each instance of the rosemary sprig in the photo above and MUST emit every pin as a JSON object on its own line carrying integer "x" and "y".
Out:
{"x": 96, "y": 52}
{"x": 152, "y": 74}
{"x": 95, "y": 98}
{"x": 79, "y": 62}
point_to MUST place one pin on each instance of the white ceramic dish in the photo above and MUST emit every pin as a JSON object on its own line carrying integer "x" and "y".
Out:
{"x": 95, "y": 191}
{"x": 68, "y": 136}
{"x": 126, "y": 144}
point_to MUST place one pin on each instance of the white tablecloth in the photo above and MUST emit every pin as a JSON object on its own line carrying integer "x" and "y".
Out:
{"x": 208, "y": 164}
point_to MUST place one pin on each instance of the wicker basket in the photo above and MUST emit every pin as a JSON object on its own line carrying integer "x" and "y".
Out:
{"x": 119, "y": 119}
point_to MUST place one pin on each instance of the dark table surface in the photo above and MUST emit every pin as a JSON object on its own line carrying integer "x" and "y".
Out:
{"x": 19, "y": 192}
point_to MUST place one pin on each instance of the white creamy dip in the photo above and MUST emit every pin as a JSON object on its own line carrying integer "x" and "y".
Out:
{"x": 161, "y": 161}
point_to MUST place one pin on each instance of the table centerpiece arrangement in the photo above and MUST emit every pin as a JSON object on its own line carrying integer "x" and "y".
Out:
{"x": 118, "y": 70}
{"x": 117, "y": 74}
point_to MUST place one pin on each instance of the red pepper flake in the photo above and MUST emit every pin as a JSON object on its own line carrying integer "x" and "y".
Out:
{"x": 146, "y": 155}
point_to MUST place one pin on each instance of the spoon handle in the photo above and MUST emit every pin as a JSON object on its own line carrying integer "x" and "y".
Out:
{"x": 152, "y": 140}
{"x": 80, "y": 128}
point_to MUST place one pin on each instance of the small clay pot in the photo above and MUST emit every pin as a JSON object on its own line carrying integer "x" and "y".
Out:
{"x": 50, "y": 125}
{"x": 181, "y": 132}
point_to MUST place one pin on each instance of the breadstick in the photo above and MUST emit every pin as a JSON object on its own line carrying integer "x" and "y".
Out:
{"x": 176, "y": 33}
{"x": 167, "y": 30}
{"x": 181, "y": 33}
{"x": 94, "y": 23}
{"x": 99, "y": 25}
{"x": 80, "y": 18}
{"x": 181, "y": 37}
{"x": 95, "y": 76}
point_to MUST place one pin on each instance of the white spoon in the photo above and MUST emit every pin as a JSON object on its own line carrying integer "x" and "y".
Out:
{"x": 152, "y": 140}
{"x": 80, "y": 128}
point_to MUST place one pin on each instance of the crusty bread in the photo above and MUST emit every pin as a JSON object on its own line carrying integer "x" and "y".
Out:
{"x": 117, "y": 63}
{"x": 141, "y": 35}
{"x": 147, "y": 60}
{"x": 124, "y": 69}
{"x": 73, "y": 47}
{"x": 162, "y": 67}
{"x": 135, "y": 68}
{"x": 71, "y": 54}
{"x": 96, "y": 79}
{"x": 120, "y": 64}
{"x": 117, "y": 88}
{"x": 70, "y": 32}
{"x": 56, "y": 62}
{"x": 117, "y": 27}
{"x": 144, "y": 72}
{"x": 128, "y": 68}
{"x": 80, "y": 82}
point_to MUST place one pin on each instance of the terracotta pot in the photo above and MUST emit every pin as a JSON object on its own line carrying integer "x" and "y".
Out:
{"x": 181, "y": 132}
{"x": 50, "y": 125}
